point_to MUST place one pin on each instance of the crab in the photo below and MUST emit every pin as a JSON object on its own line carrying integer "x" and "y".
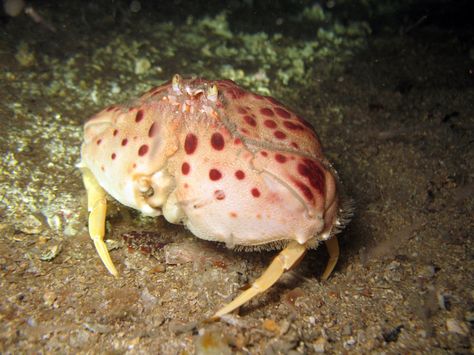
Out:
{"x": 230, "y": 165}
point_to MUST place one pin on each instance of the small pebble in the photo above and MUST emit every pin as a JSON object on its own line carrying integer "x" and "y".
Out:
{"x": 347, "y": 330}
{"x": 456, "y": 326}
{"x": 49, "y": 297}
{"x": 97, "y": 328}
{"x": 427, "y": 272}
{"x": 79, "y": 338}
{"x": 271, "y": 325}
{"x": 320, "y": 345}
{"x": 349, "y": 343}
{"x": 148, "y": 299}
{"x": 212, "y": 343}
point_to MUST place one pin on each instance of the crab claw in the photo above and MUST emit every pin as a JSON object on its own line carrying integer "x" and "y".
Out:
{"x": 97, "y": 207}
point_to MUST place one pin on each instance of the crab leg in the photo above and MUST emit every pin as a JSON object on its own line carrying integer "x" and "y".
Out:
{"x": 333, "y": 249}
{"x": 282, "y": 262}
{"x": 97, "y": 207}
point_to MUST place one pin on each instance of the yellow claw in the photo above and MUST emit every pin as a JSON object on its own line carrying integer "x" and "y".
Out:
{"x": 284, "y": 261}
{"x": 333, "y": 249}
{"x": 97, "y": 207}
{"x": 287, "y": 258}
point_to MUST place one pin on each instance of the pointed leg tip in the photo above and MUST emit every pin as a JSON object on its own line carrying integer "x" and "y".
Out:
{"x": 113, "y": 271}
{"x": 104, "y": 255}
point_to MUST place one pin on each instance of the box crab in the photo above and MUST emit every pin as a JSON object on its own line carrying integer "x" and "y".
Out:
{"x": 230, "y": 165}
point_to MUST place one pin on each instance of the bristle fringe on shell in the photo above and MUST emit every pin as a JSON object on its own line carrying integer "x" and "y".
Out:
{"x": 276, "y": 245}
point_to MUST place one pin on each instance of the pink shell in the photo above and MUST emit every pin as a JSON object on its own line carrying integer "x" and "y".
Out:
{"x": 240, "y": 168}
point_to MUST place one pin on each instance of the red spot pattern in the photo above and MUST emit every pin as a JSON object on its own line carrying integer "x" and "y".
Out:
{"x": 270, "y": 123}
{"x": 115, "y": 132}
{"x": 124, "y": 141}
{"x": 99, "y": 141}
{"x": 267, "y": 112}
{"x": 143, "y": 150}
{"x": 313, "y": 173}
{"x": 139, "y": 116}
{"x": 294, "y": 145}
{"x": 273, "y": 101}
{"x": 255, "y": 192}
{"x": 185, "y": 168}
{"x": 282, "y": 113}
{"x": 236, "y": 93}
{"x": 233, "y": 214}
{"x": 279, "y": 134}
{"x": 291, "y": 125}
{"x": 305, "y": 189}
{"x": 219, "y": 195}
{"x": 113, "y": 156}
{"x": 241, "y": 110}
{"x": 237, "y": 141}
{"x": 280, "y": 158}
{"x": 214, "y": 174}
{"x": 264, "y": 153}
{"x": 217, "y": 141}
{"x": 239, "y": 174}
{"x": 190, "y": 144}
{"x": 304, "y": 122}
{"x": 153, "y": 129}
{"x": 250, "y": 120}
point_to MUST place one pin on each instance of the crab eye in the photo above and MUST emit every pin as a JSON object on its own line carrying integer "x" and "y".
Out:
{"x": 212, "y": 93}
{"x": 176, "y": 83}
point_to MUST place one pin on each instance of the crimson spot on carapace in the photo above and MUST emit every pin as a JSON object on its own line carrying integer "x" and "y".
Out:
{"x": 185, "y": 168}
{"x": 190, "y": 143}
{"x": 282, "y": 113}
{"x": 217, "y": 141}
{"x": 124, "y": 141}
{"x": 270, "y": 123}
{"x": 143, "y": 150}
{"x": 279, "y": 134}
{"x": 255, "y": 192}
{"x": 153, "y": 129}
{"x": 280, "y": 158}
{"x": 139, "y": 116}
{"x": 250, "y": 120}
{"x": 241, "y": 110}
{"x": 214, "y": 174}
{"x": 305, "y": 189}
{"x": 291, "y": 125}
{"x": 267, "y": 112}
{"x": 315, "y": 175}
{"x": 219, "y": 195}
{"x": 239, "y": 174}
